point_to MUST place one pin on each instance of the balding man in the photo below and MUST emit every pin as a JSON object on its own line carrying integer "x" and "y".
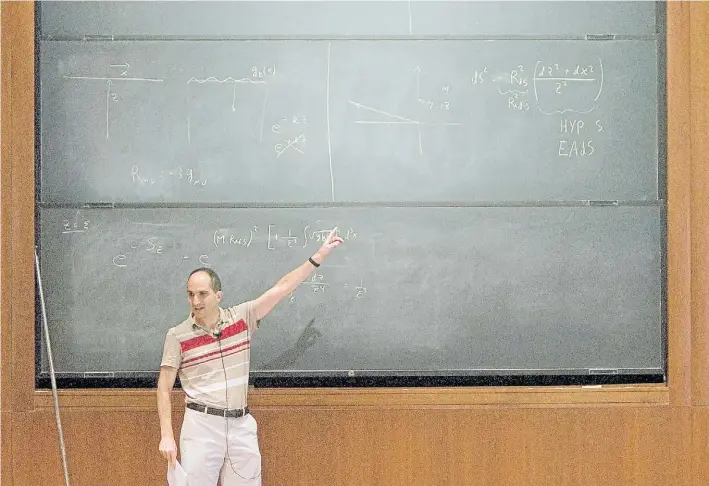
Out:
{"x": 211, "y": 352}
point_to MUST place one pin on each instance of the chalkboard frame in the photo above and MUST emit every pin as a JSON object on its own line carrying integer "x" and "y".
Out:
{"x": 42, "y": 379}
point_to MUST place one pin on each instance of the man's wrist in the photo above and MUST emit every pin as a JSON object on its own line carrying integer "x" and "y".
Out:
{"x": 315, "y": 260}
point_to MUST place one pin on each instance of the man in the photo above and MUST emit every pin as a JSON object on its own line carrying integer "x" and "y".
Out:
{"x": 211, "y": 352}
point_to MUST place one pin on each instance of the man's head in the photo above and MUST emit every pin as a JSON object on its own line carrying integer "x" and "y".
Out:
{"x": 204, "y": 291}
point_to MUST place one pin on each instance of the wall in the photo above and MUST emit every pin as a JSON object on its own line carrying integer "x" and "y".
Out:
{"x": 616, "y": 435}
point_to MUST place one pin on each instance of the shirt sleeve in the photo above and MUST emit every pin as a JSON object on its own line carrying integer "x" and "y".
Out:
{"x": 248, "y": 311}
{"x": 172, "y": 352}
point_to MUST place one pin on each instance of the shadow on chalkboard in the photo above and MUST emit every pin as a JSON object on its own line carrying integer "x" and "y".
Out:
{"x": 267, "y": 377}
{"x": 288, "y": 358}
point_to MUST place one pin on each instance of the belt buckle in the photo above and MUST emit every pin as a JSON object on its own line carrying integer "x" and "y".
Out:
{"x": 234, "y": 413}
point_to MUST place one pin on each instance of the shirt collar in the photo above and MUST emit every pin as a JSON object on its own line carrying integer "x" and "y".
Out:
{"x": 220, "y": 323}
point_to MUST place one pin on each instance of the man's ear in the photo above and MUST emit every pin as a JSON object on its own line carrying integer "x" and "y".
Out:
{"x": 219, "y": 296}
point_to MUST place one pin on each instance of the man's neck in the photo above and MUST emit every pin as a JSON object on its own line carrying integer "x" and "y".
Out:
{"x": 208, "y": 323}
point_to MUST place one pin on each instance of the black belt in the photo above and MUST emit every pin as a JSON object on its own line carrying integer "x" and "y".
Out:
{"x": 235, "y": 413}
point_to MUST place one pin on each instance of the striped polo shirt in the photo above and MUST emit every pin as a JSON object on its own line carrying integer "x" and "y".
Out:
{"x": 213, "y": 371}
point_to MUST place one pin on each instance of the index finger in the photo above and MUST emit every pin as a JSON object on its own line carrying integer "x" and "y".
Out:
{"x": 329, "y": 237}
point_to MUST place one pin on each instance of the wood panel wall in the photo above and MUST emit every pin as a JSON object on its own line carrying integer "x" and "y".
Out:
{"x": 613, "y": 435}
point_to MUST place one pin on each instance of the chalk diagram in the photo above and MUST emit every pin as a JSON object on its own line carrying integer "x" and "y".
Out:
{"x": 236, "y": 82}
{"x": 112, "y": 80}
{"x": 387, "y": 118}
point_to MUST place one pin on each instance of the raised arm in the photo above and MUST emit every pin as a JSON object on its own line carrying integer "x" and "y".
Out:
{"x": 290, "y": 281}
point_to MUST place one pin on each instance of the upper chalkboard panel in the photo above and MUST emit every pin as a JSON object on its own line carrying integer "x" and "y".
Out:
{"x": 351, "y": 120}
{"x": 345, "y": 18}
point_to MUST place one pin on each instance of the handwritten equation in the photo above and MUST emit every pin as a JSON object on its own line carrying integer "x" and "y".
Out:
{"x": 554, "y": 88}
{"x": 567, "y": 89}
{"x": 161, "y": 247}
{"x": 154, "y": 246}
{"x": 291, "y": 133}
{"x": 187, "y": 175}
{"x": 158, "y": 246}
{"x": 277, "y": 239}
{"x": 77, "y": 224}
{"x": 318, "y": 284}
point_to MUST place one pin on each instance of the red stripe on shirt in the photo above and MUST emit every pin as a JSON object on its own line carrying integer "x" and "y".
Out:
{"x": 233, "y": 351}
{"x": 234, "y": 329}
{"x": 191, "y": 361}
{"x": 229, "y": 331}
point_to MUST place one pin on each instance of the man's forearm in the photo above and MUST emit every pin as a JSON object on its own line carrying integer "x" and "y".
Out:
{"x": 165, "y": 414}
{"x": 289, "y": 282}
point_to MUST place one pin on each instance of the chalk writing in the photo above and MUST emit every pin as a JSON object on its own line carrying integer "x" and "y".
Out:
{"x": 581, "y": 144}
{"x": 561, "y": 88}
{"x": 224, "y": 236}
{"x": 556, "y": 87}
{"x": 123, "y": 68}
{"x": 320, "y": 236}
{"x": 514, "y": 87}
{"x": 189, "y": 176}
{"x": 287, "y": 238}
{"x": 308, "y": 234}
{"x": 478, "y": 76}
{"x": 261, "y": 72}
{"x": 316, "y": 283}
{"x": 437, "y": 104}
{"x": 293, "y": 127}
{"x": 166, "y": 250}
{"x": 297, "y": 143}
{"x": 294, "y": 120}
{"x": 360, "y": 290}
{"x": 570, "y": 90}
{"x": 136, "y": 177}
{"x": 186, "y": 175}
{"x": 121, "y": 260}
{"x": 160, "y": 247}
{"x": 572, "y": 148}
{"x": 75, "y": 225}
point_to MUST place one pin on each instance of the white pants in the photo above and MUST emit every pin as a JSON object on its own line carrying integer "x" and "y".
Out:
{"x": 206, "y": 455}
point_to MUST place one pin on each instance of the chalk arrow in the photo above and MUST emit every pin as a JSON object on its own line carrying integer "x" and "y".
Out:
{"x": 417, "y": 70}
